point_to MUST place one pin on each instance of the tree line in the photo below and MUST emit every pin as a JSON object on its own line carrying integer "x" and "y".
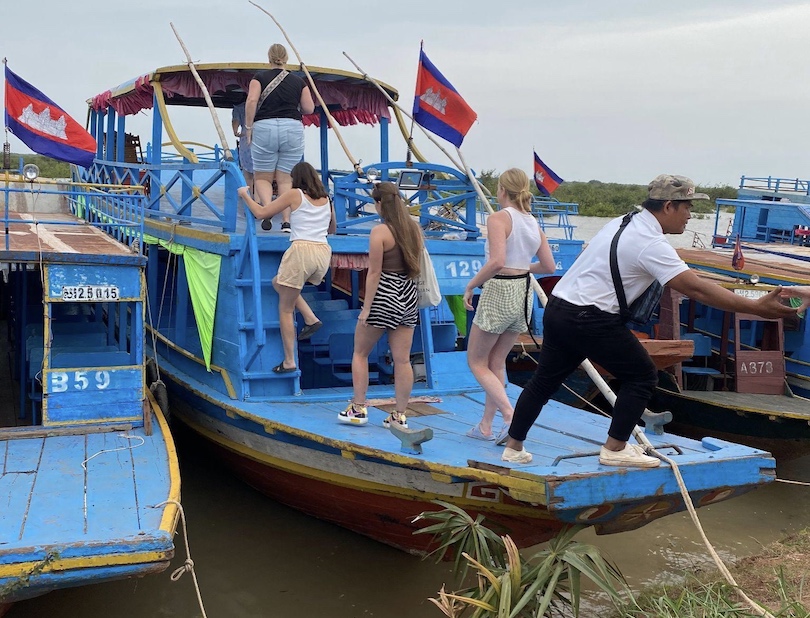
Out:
{"x": 610, "y": 199}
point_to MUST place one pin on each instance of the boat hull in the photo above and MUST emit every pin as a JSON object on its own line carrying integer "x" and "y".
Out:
{"x": 379, "y": 499}
{"x": 694, "y": 416}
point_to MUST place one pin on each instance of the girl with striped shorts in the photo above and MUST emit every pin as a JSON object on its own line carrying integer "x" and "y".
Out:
{"x": 390, "y": 304}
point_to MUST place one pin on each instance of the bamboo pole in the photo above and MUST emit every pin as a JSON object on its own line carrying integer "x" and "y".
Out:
{"x": 332, "y": 122}
{"x": 228, "y": 155}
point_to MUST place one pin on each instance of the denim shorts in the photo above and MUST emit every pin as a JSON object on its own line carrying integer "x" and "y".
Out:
{"x": 245, "y": 160}
{"x": 277, "y": 144}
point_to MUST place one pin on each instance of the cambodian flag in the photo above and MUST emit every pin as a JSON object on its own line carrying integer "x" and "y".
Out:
{"x": 43, "y": 126}
{"x": 737, "y": 258}
{"x": 438, "y": 107}
{"x": 546, "y": 180}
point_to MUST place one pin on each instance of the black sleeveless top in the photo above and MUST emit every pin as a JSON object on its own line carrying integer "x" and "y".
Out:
{"x": 284, "y": 100}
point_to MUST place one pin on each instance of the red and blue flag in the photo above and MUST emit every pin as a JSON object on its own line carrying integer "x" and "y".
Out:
{"x": 438, "y": 106}
{"x": 43, "y": 126}
{"x": 545, "y": 179}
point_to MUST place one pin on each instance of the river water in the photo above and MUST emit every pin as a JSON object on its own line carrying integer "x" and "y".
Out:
{"x": 256, "y": 558}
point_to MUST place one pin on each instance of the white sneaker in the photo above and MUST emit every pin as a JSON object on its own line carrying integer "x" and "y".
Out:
{"x": 521, "y": 457}
{"x": 630, "y": 455}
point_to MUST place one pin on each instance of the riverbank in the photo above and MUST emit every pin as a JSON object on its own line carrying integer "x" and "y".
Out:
{"x": 775, "y": 577}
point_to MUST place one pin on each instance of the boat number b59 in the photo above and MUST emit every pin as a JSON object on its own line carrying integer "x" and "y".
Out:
{"x": 755, "y": 368}
{"x": 62, "y": 381}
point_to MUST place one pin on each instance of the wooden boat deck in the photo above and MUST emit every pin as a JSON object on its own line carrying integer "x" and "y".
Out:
{"x": 781, "y": 405}
{"x": 563, "y": 441}
{"x": 664, "y": 352}
{"x": 79, "y": 487}
{"x": 766, "y": 265}
{"x": 58, "y": 237}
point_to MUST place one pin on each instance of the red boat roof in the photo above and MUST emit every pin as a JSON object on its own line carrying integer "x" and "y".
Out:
{"x": 351, "y": 98}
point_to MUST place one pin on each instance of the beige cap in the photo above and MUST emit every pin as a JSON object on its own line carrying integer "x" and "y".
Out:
{"x": 670, "y": 187}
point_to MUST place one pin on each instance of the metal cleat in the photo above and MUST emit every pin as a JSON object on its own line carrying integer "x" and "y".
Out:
{"x": 654, "y": 421}
{"x": 411, "y": 439}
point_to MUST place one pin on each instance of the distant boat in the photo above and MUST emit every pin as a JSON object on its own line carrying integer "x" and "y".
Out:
{"x": 86, "y": 457}
{"x": 279, "y": 432}
{"x": 749, "y": 380}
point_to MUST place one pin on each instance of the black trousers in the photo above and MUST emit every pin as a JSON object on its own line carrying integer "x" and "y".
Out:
{"x": 572, "y": 333}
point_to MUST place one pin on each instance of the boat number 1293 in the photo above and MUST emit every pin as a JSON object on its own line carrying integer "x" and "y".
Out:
{"x": 463, "y": 268}
{"x": 62, "y": 381}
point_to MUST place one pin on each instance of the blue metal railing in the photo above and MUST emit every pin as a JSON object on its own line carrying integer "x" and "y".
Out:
{"x": 446, "y": 204}
{"x": 777, "y": 185}
{"x": 116, "y": 210}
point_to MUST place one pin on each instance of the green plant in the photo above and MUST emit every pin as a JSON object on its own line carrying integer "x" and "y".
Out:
{"x": 509, "y": 585}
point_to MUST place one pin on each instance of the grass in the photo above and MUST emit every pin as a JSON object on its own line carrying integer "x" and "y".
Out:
{"x": 776, "y": 578}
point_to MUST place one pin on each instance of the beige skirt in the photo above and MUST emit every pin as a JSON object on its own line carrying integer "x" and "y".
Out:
{"x": 305, "y": 261}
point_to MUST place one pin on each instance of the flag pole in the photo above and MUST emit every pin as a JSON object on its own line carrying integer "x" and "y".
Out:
{"x": 332, "y": 122}
{"x": 228, "y": 154}
{"x": 373, "y": 81}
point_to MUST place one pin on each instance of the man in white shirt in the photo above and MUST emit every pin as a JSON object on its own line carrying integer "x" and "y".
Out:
{"x": 583, "y": 318}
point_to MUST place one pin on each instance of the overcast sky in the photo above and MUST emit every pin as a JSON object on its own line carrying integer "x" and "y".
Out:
{"x": 617, "y": 91}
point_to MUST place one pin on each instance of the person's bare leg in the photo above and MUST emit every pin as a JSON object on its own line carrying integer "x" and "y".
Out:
{"x": 497, "y": 364}
{"x": 284, "y": 183}
{"x": 263, "y": 185}
{"x": 286, "y": 306}
{"x": 306, "y": 311}
{"x": 365, "y": 338}
{"x": 400, "y": 341}
{"x": 479, "y": 349}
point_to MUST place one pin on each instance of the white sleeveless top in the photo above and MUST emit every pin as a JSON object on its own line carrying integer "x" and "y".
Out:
{"x": 310, "y": 222}
{"x": 523, "y": 242}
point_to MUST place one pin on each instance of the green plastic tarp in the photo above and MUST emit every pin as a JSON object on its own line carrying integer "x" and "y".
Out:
{"x": 202, "y": 275}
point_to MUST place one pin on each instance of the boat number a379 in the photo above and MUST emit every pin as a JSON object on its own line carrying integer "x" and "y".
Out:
{"x": 756, "y": 368}
{"x": 62, "y": 381}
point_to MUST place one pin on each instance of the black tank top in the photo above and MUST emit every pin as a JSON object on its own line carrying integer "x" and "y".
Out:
{"x": 284, "y": 100}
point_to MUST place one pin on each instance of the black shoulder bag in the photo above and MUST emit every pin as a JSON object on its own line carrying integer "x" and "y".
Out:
{"x": 642, "y": 308}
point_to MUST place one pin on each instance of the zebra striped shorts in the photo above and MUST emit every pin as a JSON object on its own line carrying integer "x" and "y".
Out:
{"x": 395, "y": 303}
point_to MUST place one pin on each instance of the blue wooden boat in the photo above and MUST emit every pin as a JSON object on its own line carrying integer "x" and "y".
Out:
{"x": 86, "y": 456}
{"x": 215, "y": 343}
{"x": 749, "y": 380}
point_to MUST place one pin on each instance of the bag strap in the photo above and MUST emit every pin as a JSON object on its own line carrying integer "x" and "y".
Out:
{"x": 526, "y": 308}
{"x": 614, "y": 267}
{"x": 272, "y": 86}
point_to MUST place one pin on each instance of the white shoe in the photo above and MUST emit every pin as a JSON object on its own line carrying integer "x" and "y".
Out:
{"x": 521, "y": 457}
{"x": 632, "y": 455}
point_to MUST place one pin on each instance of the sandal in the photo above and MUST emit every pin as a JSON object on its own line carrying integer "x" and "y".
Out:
{"x": 476, "y": 433}
{"x": 280, "y": 368}
{"x": 309, "y": 330}
{"x": 503, "y": 435}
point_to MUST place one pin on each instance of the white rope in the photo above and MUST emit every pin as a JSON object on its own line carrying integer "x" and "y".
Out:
{"x": 792, "y": 482}
{"x": 188, "y": 564}
{"x": 113, "y": 450}
{"x": 109, "y": 450}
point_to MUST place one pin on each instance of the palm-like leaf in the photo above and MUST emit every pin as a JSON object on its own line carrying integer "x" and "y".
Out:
{"x": 510, "y": 586}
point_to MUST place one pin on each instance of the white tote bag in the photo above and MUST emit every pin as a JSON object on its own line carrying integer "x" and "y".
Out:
{"x": 426, "y": 284}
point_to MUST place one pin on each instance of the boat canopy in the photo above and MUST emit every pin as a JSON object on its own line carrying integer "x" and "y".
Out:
{"x": 351, "y": 98}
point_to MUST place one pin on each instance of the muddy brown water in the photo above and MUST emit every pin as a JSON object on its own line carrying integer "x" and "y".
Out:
{"x": 256, "y": 558}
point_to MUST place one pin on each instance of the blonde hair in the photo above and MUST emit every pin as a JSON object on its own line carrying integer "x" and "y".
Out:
{"x": 277, "y": 54}
{"x": 407, "y": 233}
{"x": 515, "y": 184}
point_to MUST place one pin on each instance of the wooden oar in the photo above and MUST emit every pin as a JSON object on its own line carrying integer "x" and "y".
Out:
{"x": 332, "y": 122}
{"x": 228, "y": 155}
